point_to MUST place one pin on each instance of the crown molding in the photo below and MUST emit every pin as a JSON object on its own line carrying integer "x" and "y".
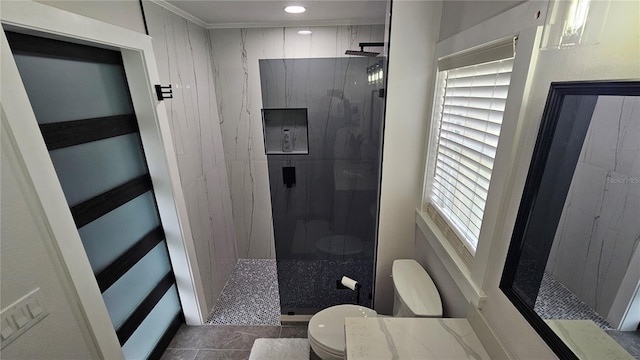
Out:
{"x": 245, "y": 25}
{"x": 180, "y": 12}
{"x": 294, "y": 24}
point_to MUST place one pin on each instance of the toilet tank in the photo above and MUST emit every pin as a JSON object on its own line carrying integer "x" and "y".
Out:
{"x": 415, "y": 293}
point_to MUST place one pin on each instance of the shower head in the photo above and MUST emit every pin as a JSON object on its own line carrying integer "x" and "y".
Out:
{"x": 361, "y": 52}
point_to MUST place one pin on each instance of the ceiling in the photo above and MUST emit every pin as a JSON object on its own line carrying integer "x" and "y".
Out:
{"x": 265, "y": 13}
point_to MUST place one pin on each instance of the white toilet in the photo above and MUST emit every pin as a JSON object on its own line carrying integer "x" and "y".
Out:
{"x": 415, "y": 296}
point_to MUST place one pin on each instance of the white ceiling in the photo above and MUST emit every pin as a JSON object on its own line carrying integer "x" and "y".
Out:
{"x": 265, "y": 13}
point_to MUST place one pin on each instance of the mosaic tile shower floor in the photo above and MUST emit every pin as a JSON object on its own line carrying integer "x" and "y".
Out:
{"x": 250, "y": 296}
{"x": 555, "y": 301}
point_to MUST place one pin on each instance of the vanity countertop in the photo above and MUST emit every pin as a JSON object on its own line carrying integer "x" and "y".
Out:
{"x": 587, "y": 340}
{"x": 411, "y": 339}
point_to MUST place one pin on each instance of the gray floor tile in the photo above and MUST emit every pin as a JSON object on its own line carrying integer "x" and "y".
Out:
{"x": 298, "y": 331}
{"x": 313, "y": 356}
{"x": 223, "y": 355}
{"x": 188, "y": 337}
{"x": 220, "y": 337}
{"x": 179, "y": 354}
{"x": 629, "y": 340}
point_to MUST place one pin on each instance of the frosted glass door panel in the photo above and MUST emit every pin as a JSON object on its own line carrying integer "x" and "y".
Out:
{"x": 127, "y": 293}
{"x": 109, "y": 236}
{"x": 143, "y": 340}
{"x": 90, "y": 169}
{"x": 64, "y": 90}
{"x": 82, "y": 104}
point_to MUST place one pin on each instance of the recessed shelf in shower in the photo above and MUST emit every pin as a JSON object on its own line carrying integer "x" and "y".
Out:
{"x": 285, "y": 131}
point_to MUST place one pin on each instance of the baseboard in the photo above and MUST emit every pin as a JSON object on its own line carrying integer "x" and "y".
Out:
{"x": 487, "y": 335}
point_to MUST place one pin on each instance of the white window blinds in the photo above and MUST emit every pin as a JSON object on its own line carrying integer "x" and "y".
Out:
{"x": 472, "y": 103}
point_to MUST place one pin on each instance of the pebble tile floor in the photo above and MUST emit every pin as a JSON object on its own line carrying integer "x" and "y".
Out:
{"x": 555, "y": 301}
{"x": 250, "y": 296}
{"x": 226, "y": 342}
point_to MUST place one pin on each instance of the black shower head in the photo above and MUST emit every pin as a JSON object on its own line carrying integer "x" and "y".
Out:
{"x": 361, "y": 52}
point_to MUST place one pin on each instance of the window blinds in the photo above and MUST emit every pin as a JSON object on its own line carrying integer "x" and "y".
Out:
{"x": 472, "y": 106}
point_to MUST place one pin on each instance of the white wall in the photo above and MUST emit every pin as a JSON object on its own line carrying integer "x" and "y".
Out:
{"x": 237, "y": 79}
{"x": 414, "y": 32}
{"x": 123, "y": 13}
{"x": 26, "y": 263}
{"x": 454, "y": 304}
{"x": 460, "y": 15}
{"x": 183, "y": 54}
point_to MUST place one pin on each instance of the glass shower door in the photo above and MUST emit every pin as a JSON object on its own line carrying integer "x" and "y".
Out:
{"x": 324, "y": 200}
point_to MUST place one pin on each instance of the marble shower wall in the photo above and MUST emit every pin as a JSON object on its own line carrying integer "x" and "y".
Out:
{"x": 183, "y": 55}
{"x": 599, "y": 229}
{"x": 237, "y": 84}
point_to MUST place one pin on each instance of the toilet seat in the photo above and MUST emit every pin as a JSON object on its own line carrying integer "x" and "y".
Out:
{"x": 326, "y": 329}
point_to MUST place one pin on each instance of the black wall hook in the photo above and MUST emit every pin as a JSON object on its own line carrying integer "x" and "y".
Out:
{"x": 164, "y": 92}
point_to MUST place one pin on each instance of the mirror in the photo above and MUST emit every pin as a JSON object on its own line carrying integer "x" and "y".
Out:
{"x": 573, "y": 265}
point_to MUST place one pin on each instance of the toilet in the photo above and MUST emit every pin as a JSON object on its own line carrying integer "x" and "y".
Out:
{"x": 415, "y": 295}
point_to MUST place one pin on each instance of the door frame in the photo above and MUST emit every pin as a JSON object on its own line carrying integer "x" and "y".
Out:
{"x": 20, "y": 126}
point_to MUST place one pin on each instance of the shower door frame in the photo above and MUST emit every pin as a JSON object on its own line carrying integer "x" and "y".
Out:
{"x": 22, "y": 132}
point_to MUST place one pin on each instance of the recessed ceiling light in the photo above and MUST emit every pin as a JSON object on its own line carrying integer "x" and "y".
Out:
{"x": 305, "y": 32}
{"x": 295, "y": 9}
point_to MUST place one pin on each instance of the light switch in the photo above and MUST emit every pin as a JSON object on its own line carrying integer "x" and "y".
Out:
{"x": 34, "y": 309}
{"x": 6, "y": 331}
{"x": 19, "y": 318}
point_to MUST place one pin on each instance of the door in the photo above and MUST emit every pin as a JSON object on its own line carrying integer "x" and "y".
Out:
{"x": 81, "y": 100}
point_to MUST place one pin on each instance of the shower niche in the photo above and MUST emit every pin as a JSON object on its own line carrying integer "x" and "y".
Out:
{"x": 322, "y": 122}
{"x": 285, "y": 131}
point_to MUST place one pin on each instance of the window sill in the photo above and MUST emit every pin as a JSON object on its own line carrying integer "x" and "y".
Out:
{"x": 453, "y": 263}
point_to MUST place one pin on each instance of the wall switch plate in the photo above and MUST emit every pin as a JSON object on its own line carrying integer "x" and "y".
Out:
{"x": 20, "y": 316}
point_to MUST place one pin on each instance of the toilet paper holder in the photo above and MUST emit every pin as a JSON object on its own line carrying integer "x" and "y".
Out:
{"x": 348, "y": 283}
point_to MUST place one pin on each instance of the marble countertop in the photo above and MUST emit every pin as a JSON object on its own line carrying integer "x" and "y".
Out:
{"x": 411, "y": 338}
{"x": 587, "y": 340}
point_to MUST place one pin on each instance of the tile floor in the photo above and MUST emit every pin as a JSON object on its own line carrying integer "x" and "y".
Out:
{"x": 555, "y": 301}
{"x": 629, "y": 340}
{"x": 250, "y": 296}
{"x": 226, "y": 342}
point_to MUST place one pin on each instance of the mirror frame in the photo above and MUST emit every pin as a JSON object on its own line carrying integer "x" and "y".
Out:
{"x": 553, "y": 107}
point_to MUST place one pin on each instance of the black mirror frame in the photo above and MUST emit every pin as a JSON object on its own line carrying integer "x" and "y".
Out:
{"x": 553, "y": 106}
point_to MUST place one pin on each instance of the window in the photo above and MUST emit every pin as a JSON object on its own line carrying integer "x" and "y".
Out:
{"x": 471, "y": 95}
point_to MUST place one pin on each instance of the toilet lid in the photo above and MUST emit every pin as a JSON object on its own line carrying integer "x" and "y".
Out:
{"x": 327, "y": 326}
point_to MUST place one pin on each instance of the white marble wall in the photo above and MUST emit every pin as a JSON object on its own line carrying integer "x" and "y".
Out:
{"x": 599, "y": 228}
{"x": 183, "y": 54}
{"x": 237, "y": 80}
